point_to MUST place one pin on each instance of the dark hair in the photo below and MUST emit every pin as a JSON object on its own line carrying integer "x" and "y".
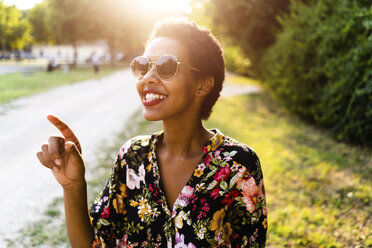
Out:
{"x": 204, "y": 51}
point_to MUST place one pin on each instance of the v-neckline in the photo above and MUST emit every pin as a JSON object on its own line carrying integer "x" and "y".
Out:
{"x": 214, "y": 142}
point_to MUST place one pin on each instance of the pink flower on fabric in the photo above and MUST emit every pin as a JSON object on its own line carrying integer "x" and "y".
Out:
{"x": 215, "y": 193}
{"x": 207, "y": 160}
{"x": 185, "y": 196}
{"x": 242, "y": 172}
{"x": 248, "y": 186}
{"x": 105, "y": 213}
{"x": 249, "y": 203}
{"x": 187, "y": 192}
{"x": 222, "y": 173}
{"x": 124, "y": 149}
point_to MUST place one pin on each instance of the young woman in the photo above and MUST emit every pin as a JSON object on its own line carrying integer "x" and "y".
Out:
{"x": 185, "y": 186}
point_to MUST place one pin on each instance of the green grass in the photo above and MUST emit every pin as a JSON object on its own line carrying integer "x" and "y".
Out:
{"x": 16, "y": 85}
{"x": 318, "y": 191}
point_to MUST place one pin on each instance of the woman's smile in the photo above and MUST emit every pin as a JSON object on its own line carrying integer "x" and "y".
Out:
{"x": 152, "y": 97}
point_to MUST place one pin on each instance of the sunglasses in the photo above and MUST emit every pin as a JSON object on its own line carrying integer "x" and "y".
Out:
{"x": 166, "y": 66}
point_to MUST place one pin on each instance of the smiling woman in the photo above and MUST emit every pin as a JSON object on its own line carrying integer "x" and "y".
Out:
{"x": 184, "y": 186}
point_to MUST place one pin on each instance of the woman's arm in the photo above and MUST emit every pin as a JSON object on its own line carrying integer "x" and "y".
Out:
{"x": 63, "y": 156}
{"x": 79, "y": 228}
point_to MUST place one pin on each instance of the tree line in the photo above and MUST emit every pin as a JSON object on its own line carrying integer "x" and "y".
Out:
{"x": 315, "y": 56}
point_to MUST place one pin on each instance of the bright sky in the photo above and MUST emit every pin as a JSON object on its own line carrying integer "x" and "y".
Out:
{"x": 171, "y": 4}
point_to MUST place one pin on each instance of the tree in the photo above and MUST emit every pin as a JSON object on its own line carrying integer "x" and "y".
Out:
{"x": 70, "y": 22}
{"x": 14, "y": 31}
{"x": 321, "y": 67}
{"x": 38, "y": 17}
{"x": 249, "y": 24}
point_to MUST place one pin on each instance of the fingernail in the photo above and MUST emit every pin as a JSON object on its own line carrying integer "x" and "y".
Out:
{"x": 55, "y": 168}
{"x": 58, "y": 161}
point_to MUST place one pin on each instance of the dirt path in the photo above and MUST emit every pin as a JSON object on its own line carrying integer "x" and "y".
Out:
{"x": 96, "y": 110}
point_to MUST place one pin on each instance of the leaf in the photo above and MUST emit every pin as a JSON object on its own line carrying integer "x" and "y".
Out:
{"x": 211, "y": 173}
{"x": 233, "y": 153}
{"x": 104, "y": 222}
{"x": 232, "y": 181}
{"x": 223, "y": 185}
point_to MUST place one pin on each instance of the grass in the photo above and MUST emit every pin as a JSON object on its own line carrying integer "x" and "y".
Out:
{"x": 16, "y": 85}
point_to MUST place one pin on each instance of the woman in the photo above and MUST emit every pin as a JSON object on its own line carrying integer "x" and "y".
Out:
{"x": 185, "y": 186}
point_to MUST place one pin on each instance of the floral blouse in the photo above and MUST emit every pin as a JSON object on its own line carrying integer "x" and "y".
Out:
{"x": 222, "y": 204}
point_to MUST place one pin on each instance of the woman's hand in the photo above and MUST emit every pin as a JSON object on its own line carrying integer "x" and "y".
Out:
{"x": 63, "y": 155}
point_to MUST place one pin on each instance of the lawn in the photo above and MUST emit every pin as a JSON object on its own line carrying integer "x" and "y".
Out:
{"x": 15, "y": 85}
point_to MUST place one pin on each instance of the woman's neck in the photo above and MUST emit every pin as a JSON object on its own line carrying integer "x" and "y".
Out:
{"x": 184, "y": 138}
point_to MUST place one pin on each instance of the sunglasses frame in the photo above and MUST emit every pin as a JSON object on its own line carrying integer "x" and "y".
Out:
{"x": 154, "y": 62}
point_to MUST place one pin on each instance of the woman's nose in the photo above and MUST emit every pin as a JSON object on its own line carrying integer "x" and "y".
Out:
{"x": 151, "y": 75}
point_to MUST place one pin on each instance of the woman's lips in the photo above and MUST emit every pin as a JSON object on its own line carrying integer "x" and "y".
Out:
{"x": 152, "y": 97}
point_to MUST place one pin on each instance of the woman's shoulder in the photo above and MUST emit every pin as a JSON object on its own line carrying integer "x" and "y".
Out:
{"x": 240, "y": 153}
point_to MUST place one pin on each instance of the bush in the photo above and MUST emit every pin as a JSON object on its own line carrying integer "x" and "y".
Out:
{"x": 321, "y": 66}
{"x": 236, "y": 61}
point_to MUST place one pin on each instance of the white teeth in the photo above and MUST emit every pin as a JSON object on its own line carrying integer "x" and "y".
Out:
{"x": 151, "y": 96}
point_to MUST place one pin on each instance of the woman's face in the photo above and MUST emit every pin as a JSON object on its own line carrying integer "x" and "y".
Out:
{"x": 173, "y": 98}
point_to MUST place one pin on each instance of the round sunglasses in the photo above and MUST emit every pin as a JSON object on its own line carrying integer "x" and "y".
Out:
{"x": 166, "y": 66}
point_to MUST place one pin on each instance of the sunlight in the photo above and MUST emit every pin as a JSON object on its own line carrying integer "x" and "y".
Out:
{"x": 169, "y": 5}
{"x": 22, "y": 4}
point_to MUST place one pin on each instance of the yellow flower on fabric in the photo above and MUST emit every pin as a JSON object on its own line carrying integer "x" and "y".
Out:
{"x": 198, "y": 173}
{"x": 148, "y": 167}
{"x": 264, "y": 223}
{"x": 201, "y": 232}
{"x": 123, "y": 163}
{"x": 144, "y": 209}
{"x": 216, "y": 222}
{"x": 178, "y": 222}
{"x": 215, "y": 142}
{"x": 226, "y": 231}
{"x": 133, "y": 203}
{"x": 119, "y": 204}
{"x": 123, "y": 190}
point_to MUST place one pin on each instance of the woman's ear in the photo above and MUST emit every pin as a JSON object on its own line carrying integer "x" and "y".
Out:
{"x": 205, "y": 86}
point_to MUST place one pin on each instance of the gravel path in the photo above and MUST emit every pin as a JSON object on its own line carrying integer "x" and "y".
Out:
{"x": 96, "y": 110}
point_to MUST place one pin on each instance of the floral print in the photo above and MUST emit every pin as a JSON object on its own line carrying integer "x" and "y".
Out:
{"x": 222, "y": 205}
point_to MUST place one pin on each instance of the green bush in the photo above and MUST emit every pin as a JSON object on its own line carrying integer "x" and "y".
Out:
{"x": 236, "y": 61}
{"x": 321, "y": 66}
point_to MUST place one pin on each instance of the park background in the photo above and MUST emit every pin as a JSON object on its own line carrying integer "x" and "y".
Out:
{"x": 311, "y": 124}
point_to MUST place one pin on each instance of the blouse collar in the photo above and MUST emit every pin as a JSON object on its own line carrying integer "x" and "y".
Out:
{"x": 209, "y": 146}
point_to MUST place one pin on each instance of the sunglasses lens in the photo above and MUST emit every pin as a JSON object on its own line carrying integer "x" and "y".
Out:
{"x": 166, "y": 66}
{"x": 140, "y": 66}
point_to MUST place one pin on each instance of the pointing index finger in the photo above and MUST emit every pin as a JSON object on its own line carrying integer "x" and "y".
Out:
{"x": 65, "y": 130}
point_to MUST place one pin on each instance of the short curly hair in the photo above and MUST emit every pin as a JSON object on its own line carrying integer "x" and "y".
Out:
{"x": 204, "y": 51}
